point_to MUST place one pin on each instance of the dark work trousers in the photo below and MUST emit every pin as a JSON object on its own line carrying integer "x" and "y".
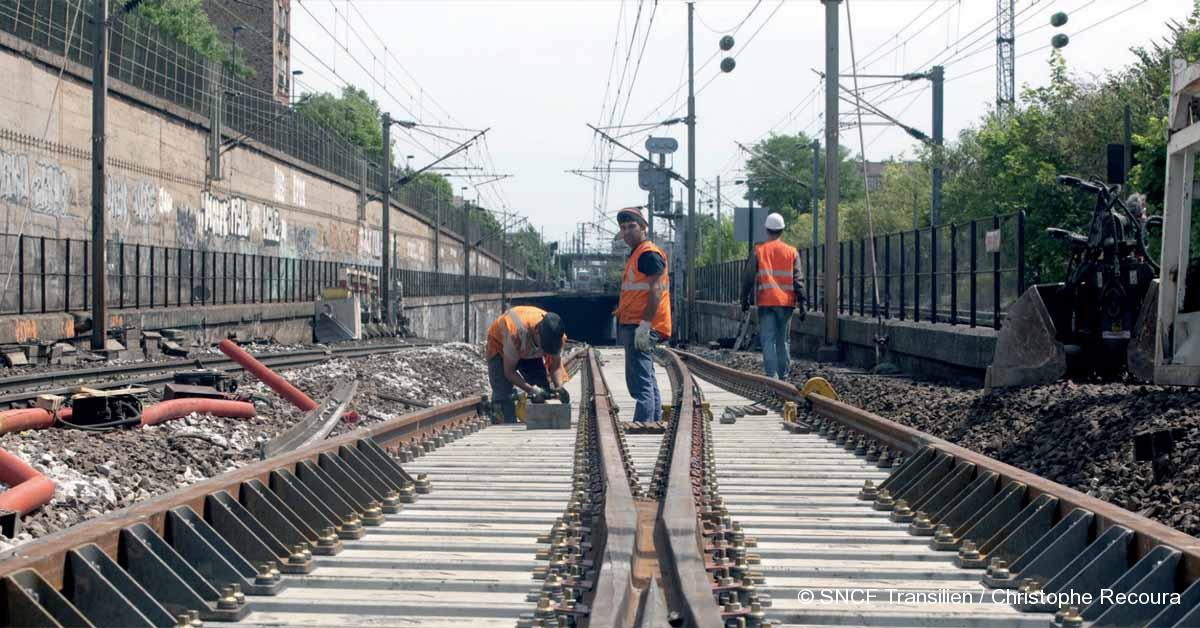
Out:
{"x": 639, "y": 378}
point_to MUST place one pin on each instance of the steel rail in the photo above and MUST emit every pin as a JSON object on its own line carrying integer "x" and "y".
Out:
{"x": 164, "y": 372}
{"x": 213, "y": 361}
{"x": 686, "y": 580}
{"x": 616, "y": 599}
{"x": 49, "y": 557}
{"x": 1148, "y": 535}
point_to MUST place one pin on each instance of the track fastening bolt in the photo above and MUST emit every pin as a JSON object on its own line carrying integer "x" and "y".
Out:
{"x": 227, "y": 601}
{"x": 998, "y": 568}
{"x": 264, "y": 575}
{"x": 1070, "y": 617}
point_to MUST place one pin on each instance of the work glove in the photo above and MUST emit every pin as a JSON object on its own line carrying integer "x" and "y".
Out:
{"x": 801, "y": 312}
{"x": 745, "y": 306}
{"x": 537, "y": 394}
{"x": 641, "y": 338}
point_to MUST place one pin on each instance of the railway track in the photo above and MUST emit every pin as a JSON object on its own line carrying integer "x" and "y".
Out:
{"x": 795, "y": 516}
{"x": 23, "y": 389}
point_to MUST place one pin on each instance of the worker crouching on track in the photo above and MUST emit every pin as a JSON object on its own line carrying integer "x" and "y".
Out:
{"x": 524, "y": 347}
{"x": 773, "y": 277}
{"x": 643, "y": 313}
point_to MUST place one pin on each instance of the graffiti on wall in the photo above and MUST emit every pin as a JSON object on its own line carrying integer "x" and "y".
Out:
{"x": 370, "y": 243}
{"x": 300, "y": 241}
{"x": 280, "y": 185}
{"x": 14, "y": 177}
{"x": 45, "y": 187}
{"x": 116, "y": 200}
{"x": 51, "y": 189}
{"x": 271, "y": 222}
{"x": 187, "y": 227}
{"x": 225, "y": 218}
{"x": 136, "y": 202}
{"x": 298, "y": 191}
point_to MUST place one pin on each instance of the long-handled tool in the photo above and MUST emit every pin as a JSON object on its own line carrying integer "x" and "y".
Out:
{"x": 743, "y": 328}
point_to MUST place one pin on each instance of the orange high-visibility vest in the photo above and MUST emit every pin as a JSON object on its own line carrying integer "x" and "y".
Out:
{"x": 512, "y": 333}
{"x": 774, "y": 282}
{"x": 635, "y": 293}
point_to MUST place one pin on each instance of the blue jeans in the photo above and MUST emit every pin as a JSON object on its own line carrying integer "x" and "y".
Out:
{"x": 639, "y": 378}
{"x": 775, "y": 324}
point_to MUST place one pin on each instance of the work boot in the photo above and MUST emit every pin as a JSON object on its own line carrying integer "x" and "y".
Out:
{"x": 508, "y": 411}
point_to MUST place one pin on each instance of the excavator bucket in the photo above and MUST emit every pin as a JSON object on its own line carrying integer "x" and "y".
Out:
{"x": 1139, "y": 357}
{"x": 1027, "y": 352}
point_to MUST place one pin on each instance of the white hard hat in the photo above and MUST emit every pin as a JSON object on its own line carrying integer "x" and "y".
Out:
{"x": 775, "y": 222}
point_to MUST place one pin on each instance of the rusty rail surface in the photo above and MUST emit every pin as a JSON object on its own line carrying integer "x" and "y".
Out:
{"x": 1035, "y": 506}
{"x": 688, "y": 585}
{"x": 204, "y": 546}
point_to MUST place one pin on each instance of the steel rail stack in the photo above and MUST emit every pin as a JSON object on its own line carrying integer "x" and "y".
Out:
{"x": 18, "y": 390}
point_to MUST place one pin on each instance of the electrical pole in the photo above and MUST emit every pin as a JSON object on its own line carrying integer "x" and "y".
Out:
{"x": 720, "y": 234}
{"x": 831, "y": 351}
{"x": 99, "y": 242}
{"x": 385, "y": 282}
{"x": 816, "y": 197}
{"x": 936, "y": 75}
{"x": 466, "y": 236}
{"x": 690, "y": 240}
{"x": 503, "y": 266}
{"x": 437, "y": 234}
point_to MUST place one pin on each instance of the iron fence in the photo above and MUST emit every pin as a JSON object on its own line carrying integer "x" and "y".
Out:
{"x": 43, "y": 275}
{"x": 143, "y": 58}
{"x": 962, "y": 274}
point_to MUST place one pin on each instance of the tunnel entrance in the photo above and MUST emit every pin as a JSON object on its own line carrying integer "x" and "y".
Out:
{"x": 588, "y": 317}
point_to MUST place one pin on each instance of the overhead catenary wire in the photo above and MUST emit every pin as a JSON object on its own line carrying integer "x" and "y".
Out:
{"x": 1083, "y": 30}
{"x": 866, "y": 187}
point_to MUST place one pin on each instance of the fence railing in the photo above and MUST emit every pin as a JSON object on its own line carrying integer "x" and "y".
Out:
{"x": 962, "y": 274}
{"x": 42, "y": 275}
{"x": 141, "y": 57}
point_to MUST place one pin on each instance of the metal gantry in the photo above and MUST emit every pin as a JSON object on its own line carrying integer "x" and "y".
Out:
{"x": 1006, "y": 38}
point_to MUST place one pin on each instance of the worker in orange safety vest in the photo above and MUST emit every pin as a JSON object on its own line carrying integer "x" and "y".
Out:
{"x": 643, "y": 313}
{"x": 524, "y": 347}
{"x": 773, "y": 278}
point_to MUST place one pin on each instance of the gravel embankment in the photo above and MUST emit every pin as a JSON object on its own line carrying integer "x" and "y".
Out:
{"x": 1077, "y": 434}
{"x": 100, "y": 472}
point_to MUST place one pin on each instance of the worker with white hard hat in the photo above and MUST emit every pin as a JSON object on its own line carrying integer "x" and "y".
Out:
{"x": 774, "y": 279}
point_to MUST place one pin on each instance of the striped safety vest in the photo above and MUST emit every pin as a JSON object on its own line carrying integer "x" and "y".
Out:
{"x": 512, "y": 333}
{"x": 635, "y": 293}
{"x": 774, "y": 281}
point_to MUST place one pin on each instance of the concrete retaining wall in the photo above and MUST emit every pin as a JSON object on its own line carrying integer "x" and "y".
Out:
{"x": 926, "y": 349}
{"x": 158, "y": 190}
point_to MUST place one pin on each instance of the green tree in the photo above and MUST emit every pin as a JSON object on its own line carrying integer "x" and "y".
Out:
{"x": 187, "y": 22}
{"x": 353, "y": 115}
{"x": 780, "y": 171}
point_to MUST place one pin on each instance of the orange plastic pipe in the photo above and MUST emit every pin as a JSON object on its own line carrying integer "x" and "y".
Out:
{"x": 25, "y": 419}
{"x": 267, "y": 376}
{"x": 176, "y": 408}
{"x": 28, "y": 489}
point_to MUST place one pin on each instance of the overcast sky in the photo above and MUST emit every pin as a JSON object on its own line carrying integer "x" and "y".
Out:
{"x": 536, "y": 72}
